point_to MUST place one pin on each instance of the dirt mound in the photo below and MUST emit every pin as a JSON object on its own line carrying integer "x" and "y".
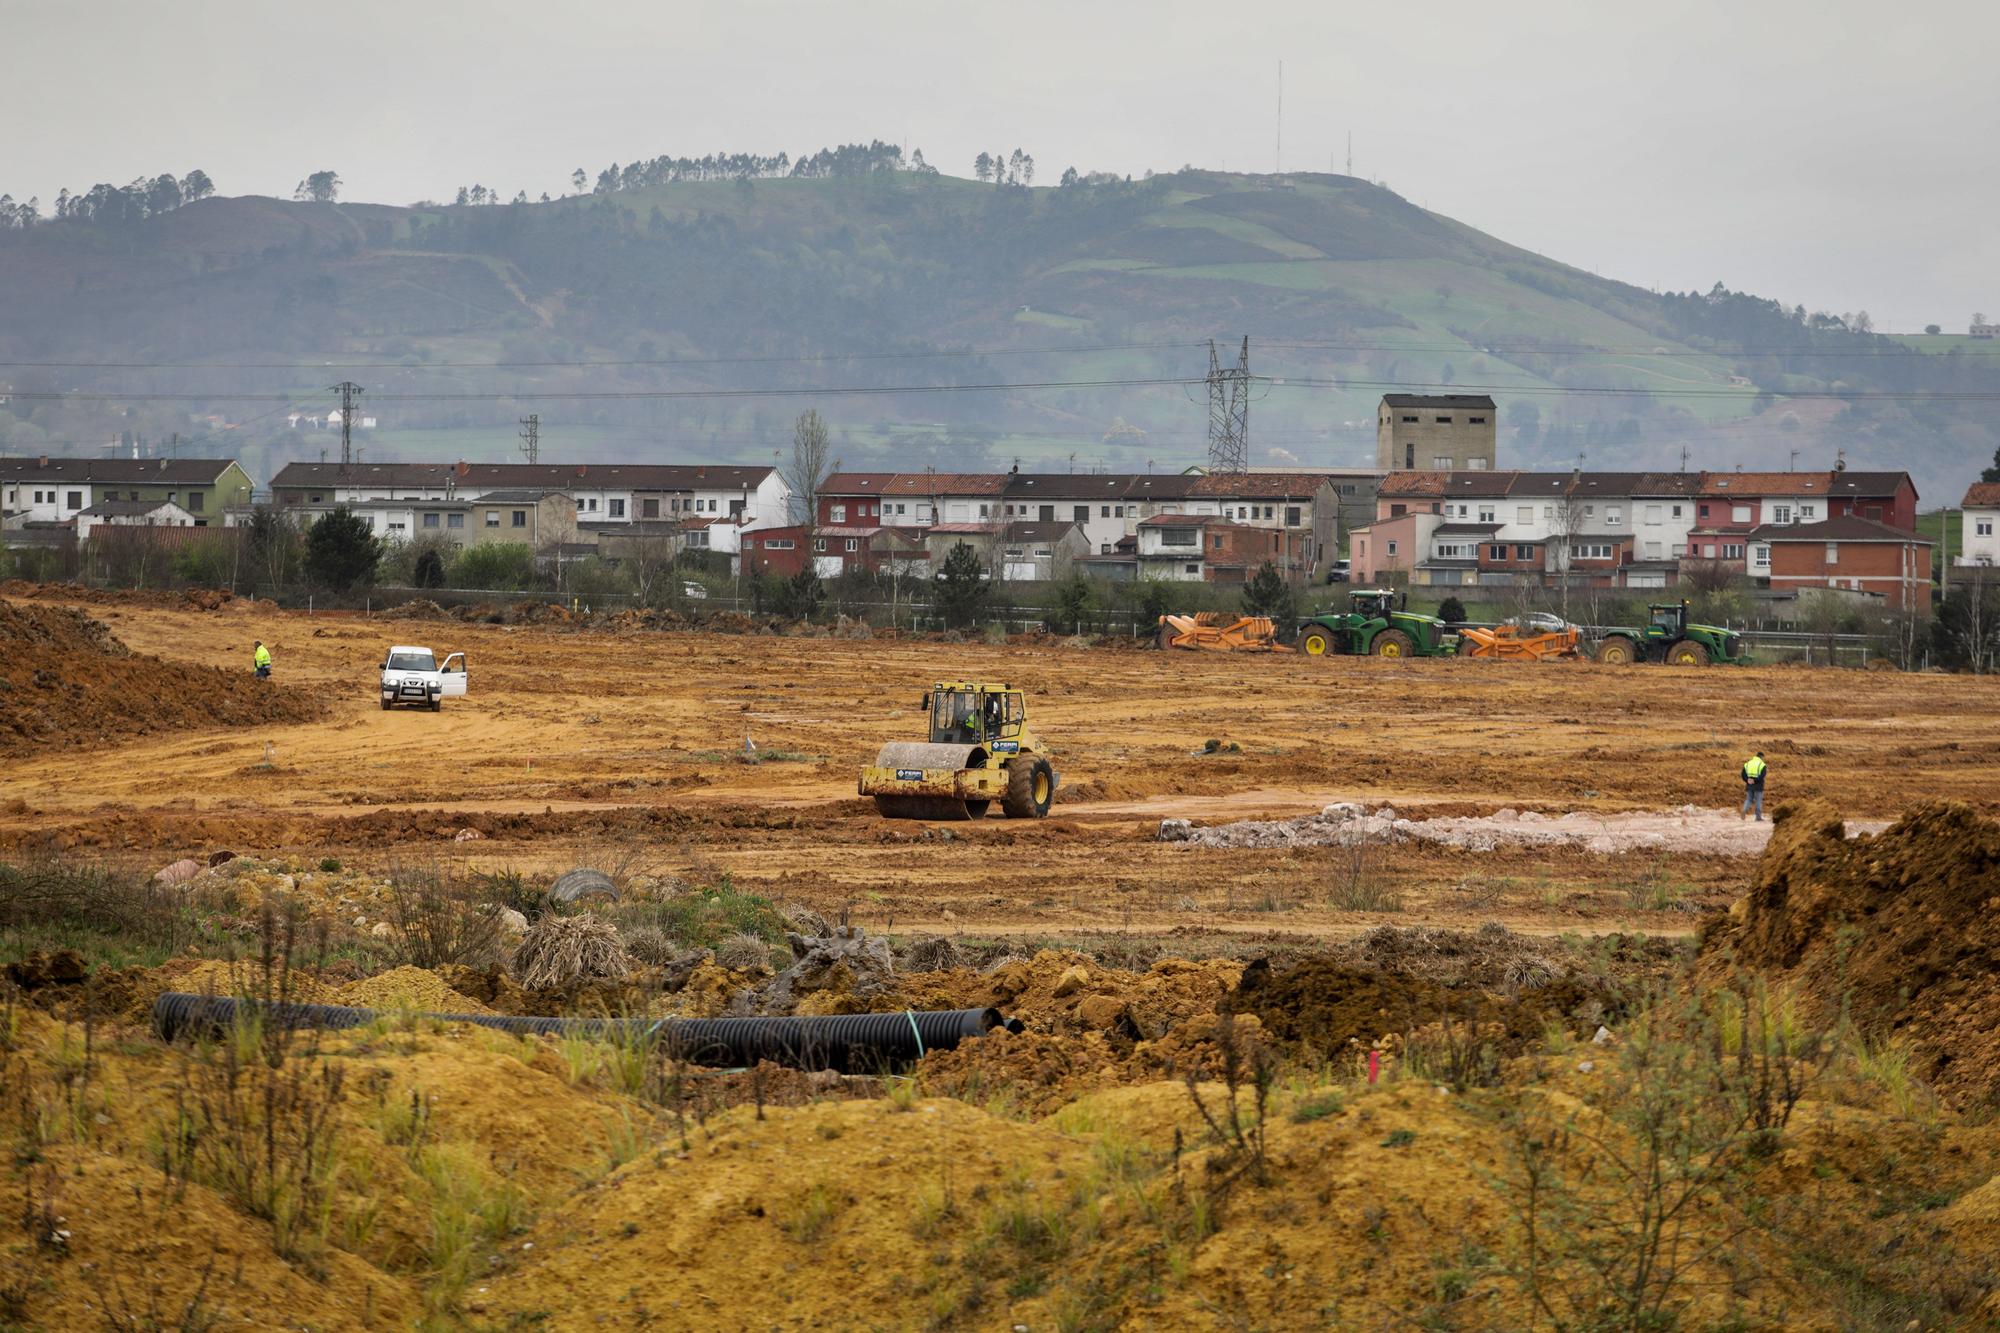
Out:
{"x": 408, "y": 988}
{"x": 65, "y": 681}
{"x": 1904, "y": 925}
{"x": 1322, "y": 1008}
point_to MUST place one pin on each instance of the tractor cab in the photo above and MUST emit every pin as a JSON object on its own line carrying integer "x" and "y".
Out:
{"x": 1670, "y": 621}
{"x": 1376, "y": 603}
{"x": 970, "y": 714}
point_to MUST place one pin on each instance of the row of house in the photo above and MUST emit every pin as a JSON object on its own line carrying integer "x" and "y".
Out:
{"x": 1854, "y": 531}
{"x": 1026, "y": 525}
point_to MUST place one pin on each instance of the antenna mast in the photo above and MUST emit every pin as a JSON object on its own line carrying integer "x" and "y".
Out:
{"x": 532, "y": 437}
{"x": 348, "y": 391}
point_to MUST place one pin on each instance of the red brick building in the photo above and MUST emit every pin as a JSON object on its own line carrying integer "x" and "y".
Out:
{"x": 1852, "y": 553}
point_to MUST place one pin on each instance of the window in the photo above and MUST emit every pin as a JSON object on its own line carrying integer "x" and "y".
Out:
{"x": 1409, "y": 455}
{"x": 1677, "y": 511}
{"x": 395, "y": 527}
{"x": 838, "y": 513}
{"x": 1496, "y": 552}
{"x": 819, "y": 544}
{"x": 1104, "y": 511}
{"x": 492, "y": 518}
{"x": 520, "y": 518}
{"x": 1807, "y": 512}
{"x": 777, "y": 543}
{"x": 1011, "y": 553}
{"x": 1392, "y": 548}
{"x": 1760, "y": 557}
{"x": 590, "y": 505}
{"x": 195, "y": 500}
{"x": 1486, "y": 513}
{"x": 1082, "y": 513}
{"x": 1875, "y": 512}
{"x": 1833, "y": 553}
{"x": 1524, "y": 514}
{"x": 1292, "y": 516}
{"x": 1983, "y": 528}
{"x": 1734, "y": 550}
{"x": 1215, "y": 542}
{"x": 649, "y": 508}
{"x": 1043, "y": 552}
{"x": 430, "y": 520}
{"x": 1524, "y": 552}
{"x": 1476, "y": 421}
{"x": 1396, "y": 510}
{"x": 1118, "y": 511}
{"x": 1410, "y": 420}
{"x": 853, "y": 543}
{"x": 1594, "y": 551}
{"x": 1453, "y": 550}
{"x": 1703, "y": 511}
{"x": 1739, "y": 513}
{"x": 454, "y": 520}
{"x": 1781, "y": 513}
{"x": 1613, "y": 516}
{"x": 1191, "y": 569}
{"x": 982, "y": 511}
{"x": 1180, "y": 537}
{"x": 1475, "y": 464}
{"x": 1441, "y": 462}
{"x": 1654, "y": 551}
{"x": 736, "y": 508}
{"x": 76, "y": 500}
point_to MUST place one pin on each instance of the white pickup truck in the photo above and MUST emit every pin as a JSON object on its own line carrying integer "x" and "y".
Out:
{"x": 415, "y": 676}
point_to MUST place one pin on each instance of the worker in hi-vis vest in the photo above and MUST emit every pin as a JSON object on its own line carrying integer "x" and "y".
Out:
{"x": 261, "y": 659}
{"x": 1753, "y": 784}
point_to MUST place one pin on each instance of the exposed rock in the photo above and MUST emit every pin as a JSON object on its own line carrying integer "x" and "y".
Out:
{"x": 180, "y": 872}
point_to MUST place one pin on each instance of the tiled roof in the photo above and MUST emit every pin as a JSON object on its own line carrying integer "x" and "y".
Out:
{"x": 117, "y": 471}
{"x": 1982, "y": 495}
{"x": 1259, "y": 485}
{"x": 1843, "y": 529}
{"x": 635, "y": 476}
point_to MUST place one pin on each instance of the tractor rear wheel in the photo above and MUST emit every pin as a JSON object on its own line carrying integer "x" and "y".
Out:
{"x": 1315, "y": 643}
{"x": 1466, "y": 647}
{"x": 1394, "y": 643}
{"x": 1617, "y": 651}
{"x": 1031, "y": 786}
{"x": 1688, "y": 653}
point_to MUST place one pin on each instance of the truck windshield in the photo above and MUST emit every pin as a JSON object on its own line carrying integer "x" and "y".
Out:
{"x": 420, "y": 661}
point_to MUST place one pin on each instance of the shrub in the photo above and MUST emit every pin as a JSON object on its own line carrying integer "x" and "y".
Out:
{"x": 506, "y": 566}
{"x": 1451, "y": 611}
{"x": 563, "y": 951}
{"x": 440, "y": 918}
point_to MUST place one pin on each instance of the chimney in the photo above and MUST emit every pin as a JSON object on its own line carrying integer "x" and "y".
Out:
{"x": 163, "y": 465}
{"x": 43, "y": 461}
{"x": 464, "y": 468}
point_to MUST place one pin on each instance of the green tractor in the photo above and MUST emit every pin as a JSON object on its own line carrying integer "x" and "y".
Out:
{"x": 1671, "y": 639}
{"x": 1375, "y": 624}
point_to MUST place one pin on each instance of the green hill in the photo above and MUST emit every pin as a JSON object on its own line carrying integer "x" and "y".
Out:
{"x": 896, "y": 279}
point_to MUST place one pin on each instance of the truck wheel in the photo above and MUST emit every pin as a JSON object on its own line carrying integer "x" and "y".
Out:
{"x": 1315, "y": 643}
{"x": 1031, "y": 787}
{"x": 437, "y": 705}
{"x": 1687, "y": 653}
{"x": 387, "y": 705}
{"x": 1617, "y": 651}
{"x": 1394, "y": 643}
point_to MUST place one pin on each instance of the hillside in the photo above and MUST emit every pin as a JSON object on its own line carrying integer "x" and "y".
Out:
{"x": 893, "y": 279}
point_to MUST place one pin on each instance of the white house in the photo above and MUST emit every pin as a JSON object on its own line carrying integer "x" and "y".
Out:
{"x": 131, "y": 514}
{"x": 1979, "y": 530}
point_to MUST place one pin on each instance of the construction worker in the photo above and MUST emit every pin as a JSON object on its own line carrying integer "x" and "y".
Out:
{"x": 1753, "y": 785}
{"x": 261, "y": 659}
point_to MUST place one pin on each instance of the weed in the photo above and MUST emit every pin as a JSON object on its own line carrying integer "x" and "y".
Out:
{"x": 330, "y": 864}
{"x": 1318, "y": 1107}
{"x": 904, "y": 1094}
{"x": 471, "y": 1206}
{"x": 704, "y": 918}
{"x": 437, "y": 917}
{"x": 812, "y": 1213}
{"x": 1400, "y": 1138}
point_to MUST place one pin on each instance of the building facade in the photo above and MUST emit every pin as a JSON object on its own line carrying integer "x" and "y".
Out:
{"x": 1979, "y": 525}
{"x": 45, "y": 489}
{"x": 1440, "y": 432}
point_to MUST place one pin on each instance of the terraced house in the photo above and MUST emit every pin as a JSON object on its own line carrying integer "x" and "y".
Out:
{"x": 50, "y": 490}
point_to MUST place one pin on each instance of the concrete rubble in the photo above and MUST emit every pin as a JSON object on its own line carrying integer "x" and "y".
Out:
{"x": 1685, "y": 828}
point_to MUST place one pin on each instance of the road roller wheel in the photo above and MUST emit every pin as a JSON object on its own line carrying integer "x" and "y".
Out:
{"x": 929, "y": 807}
{"x": 1031, "y": 787}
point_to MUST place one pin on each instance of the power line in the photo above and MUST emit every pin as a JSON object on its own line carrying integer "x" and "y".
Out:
{"x": 555, "y": 365}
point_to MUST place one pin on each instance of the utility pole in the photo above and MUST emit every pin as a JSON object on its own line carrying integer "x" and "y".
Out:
{"x": 532, "y": 437}
{"x": 348, "y": 391}
{"x": 1278, "y": 154}
{"x": 1229, "y": 412}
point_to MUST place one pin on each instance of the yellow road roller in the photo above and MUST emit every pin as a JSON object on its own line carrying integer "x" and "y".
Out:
{"x": 980, "y": 751}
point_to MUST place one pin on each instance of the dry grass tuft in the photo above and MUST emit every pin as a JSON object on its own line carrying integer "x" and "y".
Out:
{"x": 563, "y": 951}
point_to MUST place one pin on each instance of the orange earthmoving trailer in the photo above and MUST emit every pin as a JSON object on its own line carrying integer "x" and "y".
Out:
{"x": 1508, "y": 641}
{"x": 1205, "y": 630}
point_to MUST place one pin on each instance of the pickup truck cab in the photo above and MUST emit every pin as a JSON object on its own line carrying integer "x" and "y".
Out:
{"x": 414, "y": 676}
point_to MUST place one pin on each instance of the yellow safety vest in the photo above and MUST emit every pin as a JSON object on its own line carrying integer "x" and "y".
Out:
{"x": 1753, "y": 769}
{"x": 262, "y": 657}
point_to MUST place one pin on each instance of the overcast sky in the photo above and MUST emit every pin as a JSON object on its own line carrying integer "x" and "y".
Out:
{"x": 1837, "y": 154}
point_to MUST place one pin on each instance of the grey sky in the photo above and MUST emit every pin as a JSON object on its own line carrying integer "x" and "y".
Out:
{"x": 1835, "y": 154}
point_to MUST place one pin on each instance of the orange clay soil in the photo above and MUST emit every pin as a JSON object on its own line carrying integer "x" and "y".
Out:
{"x": 571, "y": 742}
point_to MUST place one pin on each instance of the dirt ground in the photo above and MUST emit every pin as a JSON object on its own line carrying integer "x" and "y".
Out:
{"x": 574, "y": 746}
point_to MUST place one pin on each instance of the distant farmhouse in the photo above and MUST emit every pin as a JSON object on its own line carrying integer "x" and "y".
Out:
{"x": 1435, "y": 433}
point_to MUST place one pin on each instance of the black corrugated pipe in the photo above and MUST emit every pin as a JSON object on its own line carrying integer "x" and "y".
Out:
{"x": 846, "y": 1043}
